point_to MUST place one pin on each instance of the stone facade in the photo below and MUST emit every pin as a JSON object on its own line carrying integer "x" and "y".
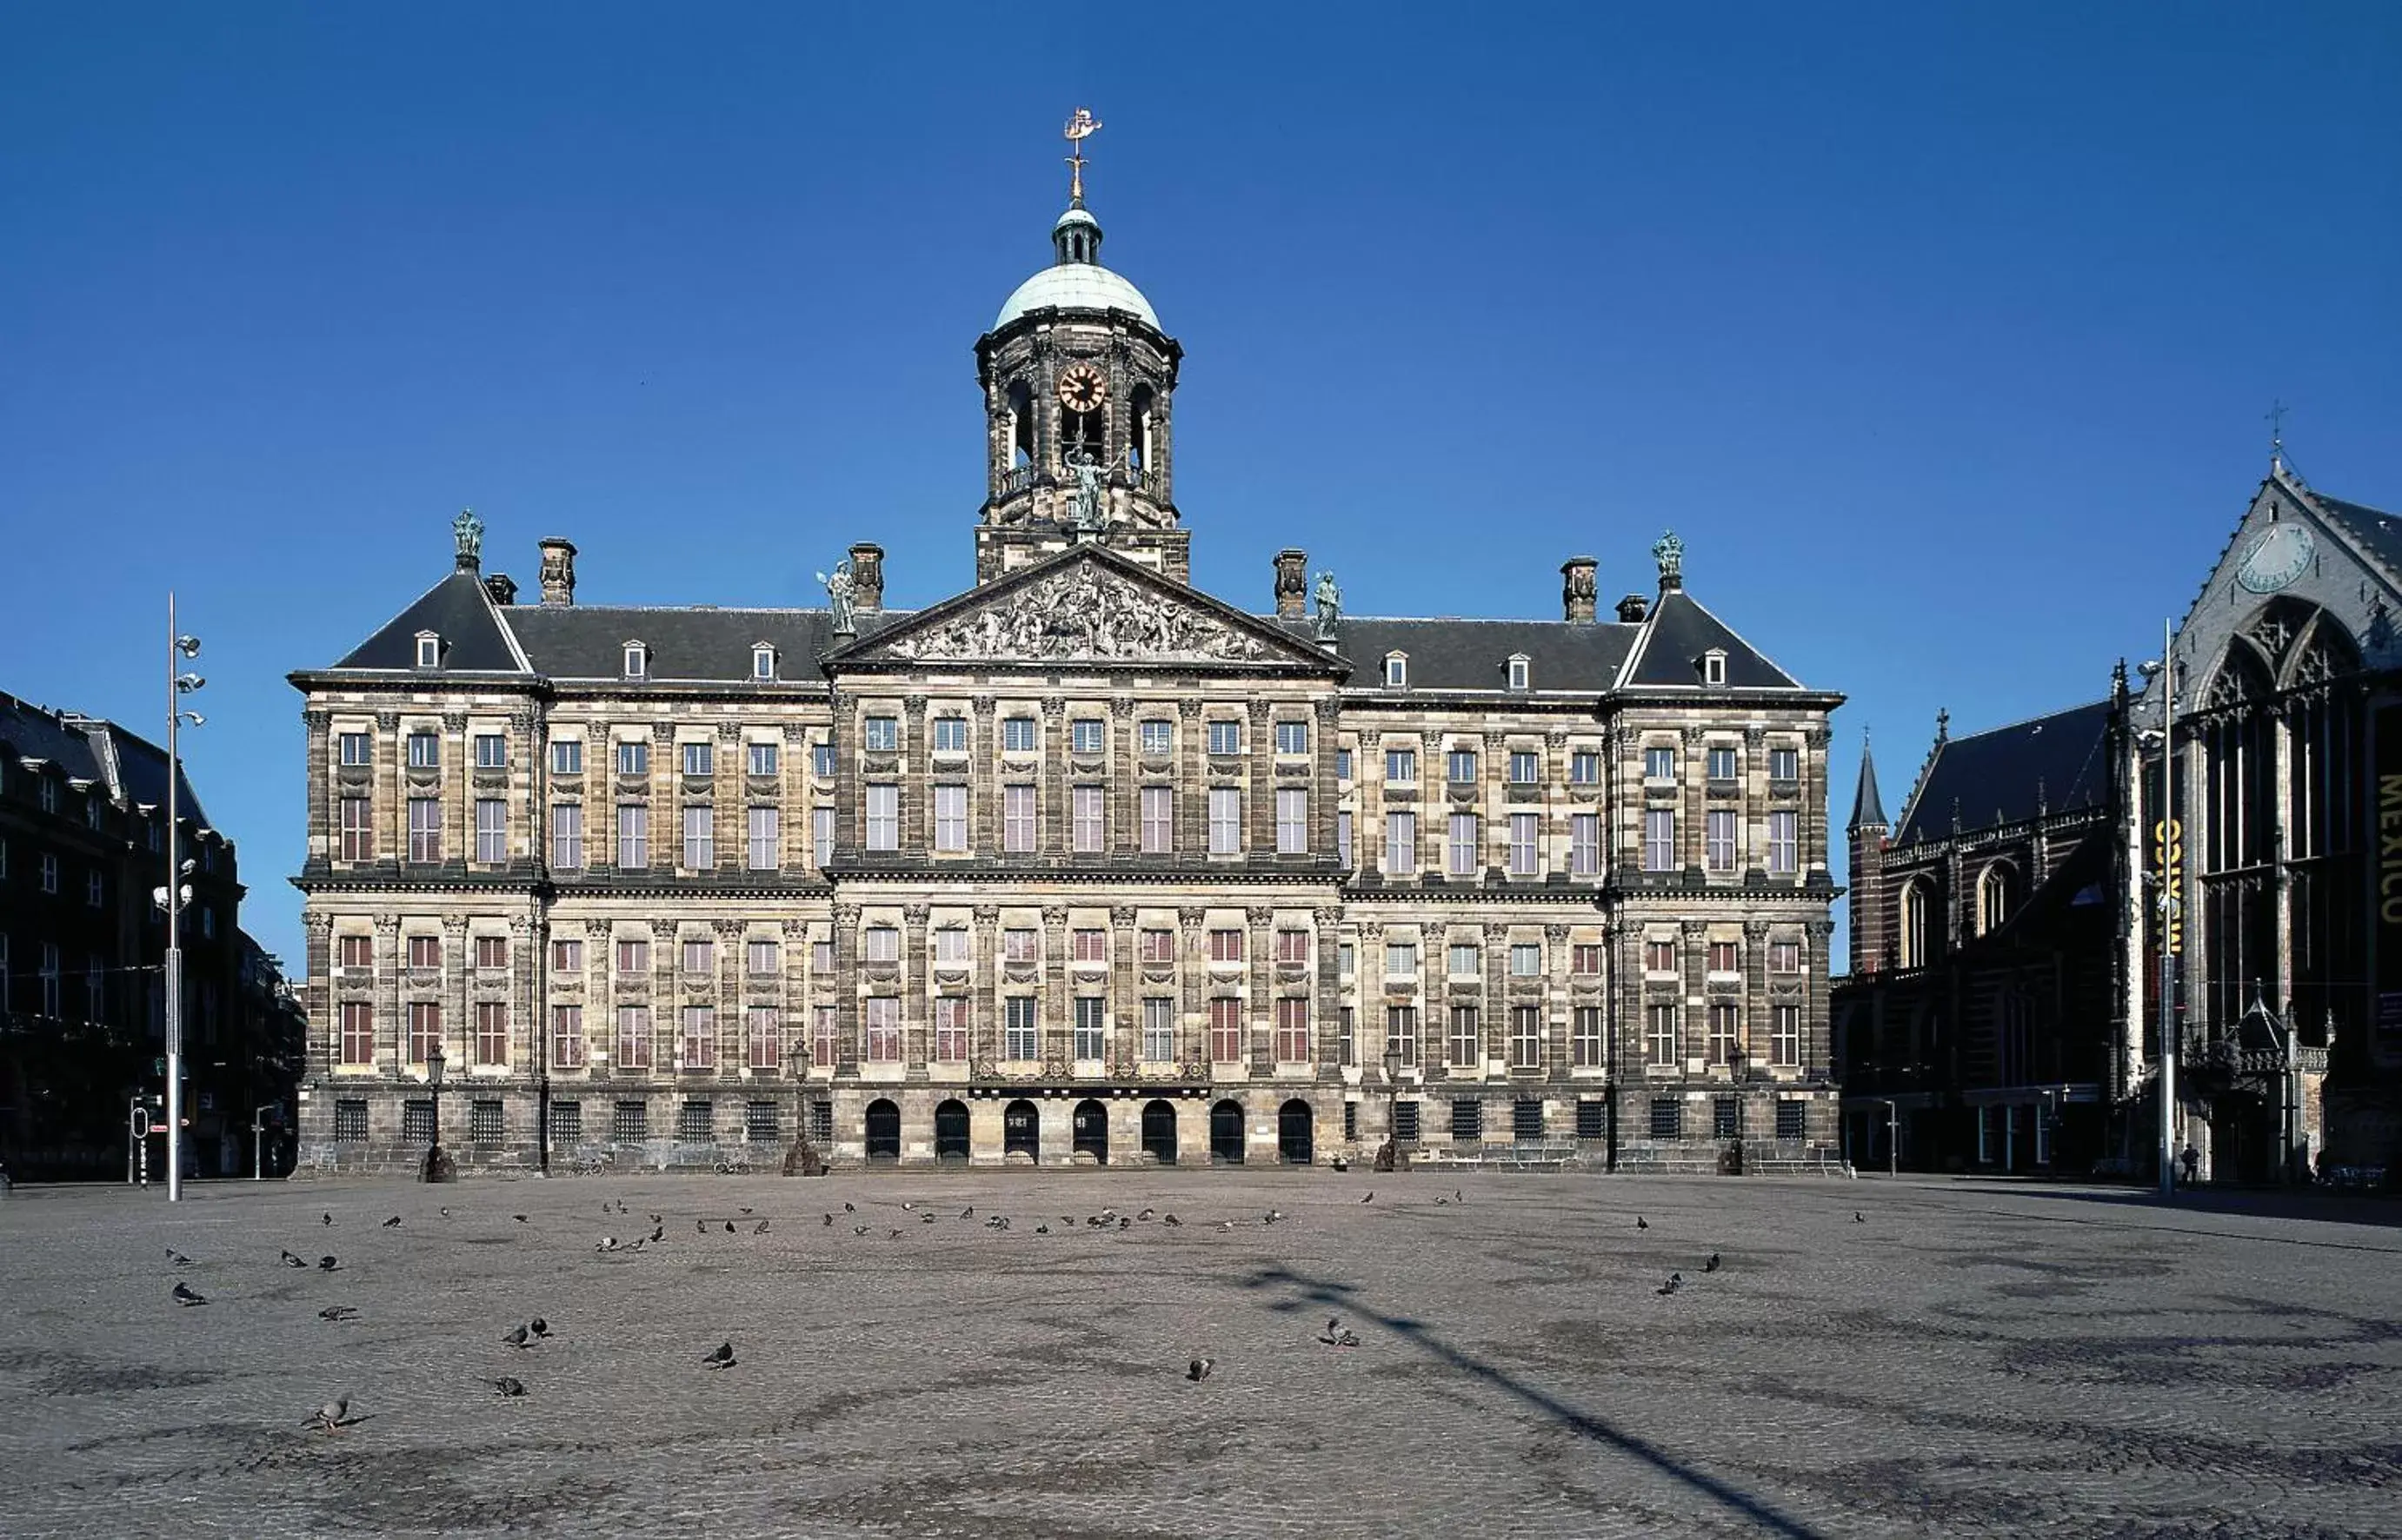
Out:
{"x": 1081, "y": 864}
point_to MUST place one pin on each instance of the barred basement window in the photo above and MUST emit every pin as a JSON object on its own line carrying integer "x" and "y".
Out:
{"x": 1527, "y": 1118}
{"x": 1667, "y": 1118}
{"x": 566, "y": 1123}
{"x": 484, "y": 1122}
{"x": 1789, "y": 1120}
{"x": 350, "y": 1123}
{"x": 631, "y": 1122}
{"x": 1405, "y": 1122}
{"x": 695, "y": 1123}
{"x": 417, "y": 1123}
{"x": 761, "y": 1125}
{"x": 1592, "y": 1119}
{"x": 1467, "y": 1120}
{"x": 822, "y": 1121}
{"x": 1726, "y": 1119}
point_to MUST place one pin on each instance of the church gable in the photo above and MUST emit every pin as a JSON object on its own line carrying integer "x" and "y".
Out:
{"x": 1088, "y": 606}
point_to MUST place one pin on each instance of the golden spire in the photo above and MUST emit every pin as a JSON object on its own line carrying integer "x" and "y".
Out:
{"x": 1079, "y": 127}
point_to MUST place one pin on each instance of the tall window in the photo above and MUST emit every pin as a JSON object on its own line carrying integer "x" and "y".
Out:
{"x": 700, "y": 1037}
{"x": 358, "y": 1032}
{"x": 759, "y": 957}
{"x": 882, "y": 1015}
{"x": 1993, "y": 899}
{"x": 1085, "y": 736}
{"x": 821, "y": 759}
{"x": 1523, "y": 861}
{"x": 491, "y": 1032}
{"x": 1226, "y": 736}
{"x": 1401, "y": 1032}
{"x": 567, "y": 836}
{"x": 763, "y": 1036}
{"x": 1017, "y": 819}
{"x": 424, "y": 750}
{"x": 1525, "y": 1037}
{"x": 763, "y": 661}
{"x": 883, "y": 815}
{"x": 699, "y": 837}
{"x": 358, "y": 830}
{"x": 1463, "y": 852}
{"x": 1723, "y": 1035}
{"x": 425, "y": 1029}
{"x": 1225, "y": 821}
{"x": 951, "y": 819}
{"x": 1085, "y": 821}
{"x": 1659, "y": 839}
{"x": 424, "y": 829}
{"x": 633, "y": 835}
{"x": 1660, "y": 1023}
{"x": 1017, "y": 735}
{"x": 950, "y": 1029}
{"x": 492, "y": 831}
{"x": 1019, "y": 1037}
{"x": 1293, "y": 737}
{"x": 1226, "y": 1030}
{"x": 1914, "y": 926}
{"x": 567, "y": 1037}
{"x": 1585, "y": 844}
{"x": 1717, "y": 839}
{"x": 825, "y": 1037}
{"x": 1292, "y": 1031}
{"x": 821, "y": 834}
{"x": 1585, "y": 1038}
{"x": 1292, "y": 821}
{"x": 1092, "y": 1027}
{"x": 699, "y": 758}
{"x": 1785, "y": 1035}
{"x": 1159, "y": 1029}
{"x": 1343, "y": 839}
{"x": 762, "y": 758}
{"x": 761, "y": 839}
{"x": 1782, "y": 844}
{"x": 1467, "y": 1045}
{"x": 1401, "y": 844}
{"x": 1158, "y": 820}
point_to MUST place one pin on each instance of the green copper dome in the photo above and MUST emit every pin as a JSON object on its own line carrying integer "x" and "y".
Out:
{"x": 1076, "y": 280}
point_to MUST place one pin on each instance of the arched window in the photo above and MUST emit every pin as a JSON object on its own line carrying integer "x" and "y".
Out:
{"x": 1995, "y": 898}
{"x": 1914, "y": 926}
{"x": 1021, "y": 424}
{"x": 1140, "y": 410}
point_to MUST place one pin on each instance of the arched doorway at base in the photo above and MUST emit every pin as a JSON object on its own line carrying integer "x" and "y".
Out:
{"x": 1021, "y": 1131}
{"x": 1296, "y": 1134}
{"x": 1159, "y": 1130}
{"x": 883, "y": 1129}
{"x": 951, "y": 1131}
{"x": 1226, "y": 1132}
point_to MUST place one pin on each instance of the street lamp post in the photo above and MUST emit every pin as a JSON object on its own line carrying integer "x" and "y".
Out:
{"x": 1892, "y": 1139}
{"x": 177, "y": 892}
{"x": 1392, "y": 1158}
{"x": 802, "y": 1159}
{"x": 437, "y": 1166}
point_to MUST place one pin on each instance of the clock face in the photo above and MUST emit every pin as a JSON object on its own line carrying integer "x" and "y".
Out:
{"x": 1082, "y": 389}
{"x": 2276, "y": 556}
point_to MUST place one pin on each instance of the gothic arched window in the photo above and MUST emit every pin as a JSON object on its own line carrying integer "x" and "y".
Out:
{"x": 1994, "y": 897}
{"x": 1914, "y": 926}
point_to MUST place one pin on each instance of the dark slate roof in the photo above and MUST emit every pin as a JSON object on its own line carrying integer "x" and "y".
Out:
{"x": 1868, "y": 808}
{"x": 1454, "y": 653}
{"x": 130, "y": 768}
{"x": 588, "y": 640}
{"x": 1679, "y": 632}
{"x": 1999, "y": 777}
{"x": 459, "y": 611}
{"x": 2375, "y": 529}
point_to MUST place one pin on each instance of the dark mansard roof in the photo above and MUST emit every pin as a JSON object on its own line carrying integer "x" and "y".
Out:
{"x": 127, "y": 768}
{"x": 461, "y": 613}
{"x": 2059, "y": 763}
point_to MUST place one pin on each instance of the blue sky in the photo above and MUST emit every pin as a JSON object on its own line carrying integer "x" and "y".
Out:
{"x": 1942, "y": 335}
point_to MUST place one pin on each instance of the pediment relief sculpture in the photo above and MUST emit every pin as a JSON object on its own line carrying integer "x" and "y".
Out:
{"x": 1083, "y": 611}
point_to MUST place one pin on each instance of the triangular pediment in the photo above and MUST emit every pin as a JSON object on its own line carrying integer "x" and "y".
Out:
{"x": 1085, "y": 607}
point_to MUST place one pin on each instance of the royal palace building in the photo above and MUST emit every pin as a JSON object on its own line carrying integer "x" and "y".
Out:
{"x": 1079, "y": 865}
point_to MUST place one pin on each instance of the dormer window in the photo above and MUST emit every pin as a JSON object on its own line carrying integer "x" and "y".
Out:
{"x": 1397, "y": 671}
{"x": 638, "y": 660}
{"x": 1521, "y": 670}
{"x": 762, "y": 661}
{"x": 429, "y": 650}
{"x": 1714, "y": 667}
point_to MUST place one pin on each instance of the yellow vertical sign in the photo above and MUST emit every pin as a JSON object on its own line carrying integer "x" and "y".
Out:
{"x": 2168, "y": 860}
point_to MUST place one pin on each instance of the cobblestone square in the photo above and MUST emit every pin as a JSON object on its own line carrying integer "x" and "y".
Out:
{"x": 1959, "y": 1359}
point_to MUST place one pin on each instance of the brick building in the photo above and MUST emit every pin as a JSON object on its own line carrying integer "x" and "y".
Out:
{"x": 82, "y": 946}
{"x": 1081, "y": 863}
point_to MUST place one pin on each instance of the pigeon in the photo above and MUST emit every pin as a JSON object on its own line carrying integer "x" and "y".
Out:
{"x": 1144, "y": 1215}
{"x": 177, "y": 1258}
{"x": 517, "y": 1337}
{"x": 829, "y": 1219}
{"x": 328, "y": 1264}
{"x": 729, "y": 1226}
{"x": 861, "y": 1229}
{"x": 519, "y": 1217}
{"x": 392, "y": 1223}
{"x": 539, "y": 1326}
{"x": 1440, "y": 1199}
{"x": 700, "y": 1227}
{"x": 1641, "y": 1223}
{"x": 658, "y": 1232}
{"x": 1371, "y": 1197}
{"x": 330, "y": 1416}
{"x": 908, "y": 1207}
{"x": 744, "y": 1210}
{"x": 896, "y": 1235}
{"x": 608, "y": 1242}
{"x": 1274, "y": 1215}
{"x": 1173, "y": 1221}
{"x": 640, "y": 1242}
{"x": 1457, "y": 1196}
{"x": 1337, "y": 1335}
{"x": 1712, "y": 1265}
{"x": 1856, "y": 1219}
{"x": 1676, "y": 1281}
{"x": 1041, "y": 1229}
{"x": 185, "y": 1295}
{"x": 509, "y": 1385}
{"x": 621, "y": 1205}
{"x": 1225, "y": 1225}
{"x": 337, "y": 1312}
{"x": 1124, "y": 1223}
{"x": 290, "y": 1261}
{"x": 446, "y": 1211}
{"x": 759, "y": 1228}
{"x": 1199, "y": 1369}
{"x": 329, "y": 1219}
{"x": 849, "y": 1207}
{"x": 656, "y": 1218}
{"x": 925, "y": 1218}
{"x": 968, "y": 1213}
{"x": 721, "y": 1358}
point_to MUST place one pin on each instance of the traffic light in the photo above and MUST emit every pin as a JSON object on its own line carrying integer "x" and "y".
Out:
{"x": 2168, "y": 860}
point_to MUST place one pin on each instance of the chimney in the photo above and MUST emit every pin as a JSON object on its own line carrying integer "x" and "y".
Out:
{"x": 1633, "y": 608}
{"x": 1292, "y": 584}
{"x": 868, "y": 577}
{"x": 502, "y": 587}
{"x": 1577, "y": 591}
{"x": 558, "y": 571}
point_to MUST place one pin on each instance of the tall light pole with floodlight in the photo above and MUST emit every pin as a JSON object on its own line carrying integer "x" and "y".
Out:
{"x": 177, "y": 891}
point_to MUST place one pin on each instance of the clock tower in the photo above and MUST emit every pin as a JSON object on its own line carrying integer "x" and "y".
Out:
{"x": 1078, "y": 381}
